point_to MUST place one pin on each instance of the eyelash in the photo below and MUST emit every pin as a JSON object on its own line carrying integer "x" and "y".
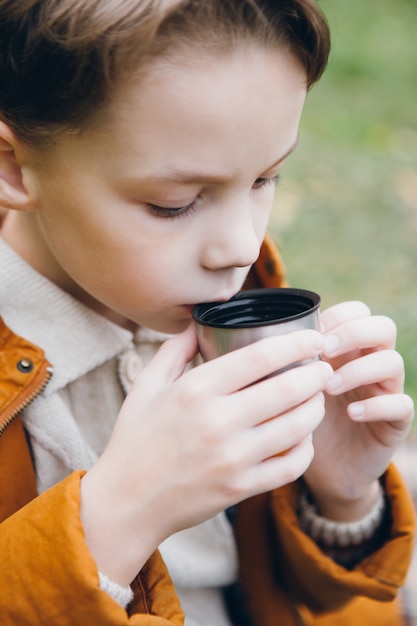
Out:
{"x": 188, "y": 209}
{"x": 170, "y": 213}
{"x": 266, "y": 182}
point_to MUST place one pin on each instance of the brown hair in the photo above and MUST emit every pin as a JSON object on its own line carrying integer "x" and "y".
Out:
{"x": 60, "y": 60}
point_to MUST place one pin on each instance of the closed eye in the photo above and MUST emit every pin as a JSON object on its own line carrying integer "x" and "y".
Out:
{"x": 266, "y": 182}
{"x": 174, "y": 212}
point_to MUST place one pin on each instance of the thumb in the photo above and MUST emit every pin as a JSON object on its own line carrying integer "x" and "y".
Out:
{"x": 170, "y": 361}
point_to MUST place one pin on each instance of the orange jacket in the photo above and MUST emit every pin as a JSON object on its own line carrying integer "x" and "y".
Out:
{"x": 48, "y": 577}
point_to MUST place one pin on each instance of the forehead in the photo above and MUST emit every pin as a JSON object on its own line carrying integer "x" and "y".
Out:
{"x": 213, "y": 84}
{"x": 211, "y": 98}
{"x": 183, "y": 109}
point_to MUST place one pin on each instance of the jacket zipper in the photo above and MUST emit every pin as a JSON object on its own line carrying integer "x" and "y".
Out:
{"x": 299, "y": 619}
{"x": 48, "y": 370}
{"x": 295, "y": 604}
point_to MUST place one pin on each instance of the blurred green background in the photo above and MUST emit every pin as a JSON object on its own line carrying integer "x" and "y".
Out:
{"x": 345, "y": 214}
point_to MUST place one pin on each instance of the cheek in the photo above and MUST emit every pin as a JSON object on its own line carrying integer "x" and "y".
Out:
{"x": 262, "y": 211}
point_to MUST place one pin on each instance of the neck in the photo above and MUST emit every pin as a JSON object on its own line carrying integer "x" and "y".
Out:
{"x": 20, "y": 232}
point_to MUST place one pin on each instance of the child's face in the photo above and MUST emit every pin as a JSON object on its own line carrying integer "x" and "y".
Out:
{"x": 203, "y": 139}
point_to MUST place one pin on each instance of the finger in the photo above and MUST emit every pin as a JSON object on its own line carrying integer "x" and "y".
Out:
{"x": 279, "y": 394}
{"x": 376, "y": 332}
{"x": 397, "y": 408}
{"x": 286, "y": 431}
{"x": 169, "y": 362}
{"x": 279, "y": 470}
{"x": 243, "y": 367}
{"x": 343, "y": 312}
{"x": 385, "y": 368}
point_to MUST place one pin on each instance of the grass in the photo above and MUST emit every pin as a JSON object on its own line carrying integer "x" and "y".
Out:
{"x": 346, "y": 212}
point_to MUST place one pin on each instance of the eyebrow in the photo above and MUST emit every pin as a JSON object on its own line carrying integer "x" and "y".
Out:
{"x": 187, "y": 177}
{"x": 284, "y": 156}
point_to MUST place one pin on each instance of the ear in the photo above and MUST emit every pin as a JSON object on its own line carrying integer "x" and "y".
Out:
{"x": 13, "y": 194}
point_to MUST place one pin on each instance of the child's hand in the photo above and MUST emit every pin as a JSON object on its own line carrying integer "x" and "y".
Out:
{"x": 367, "y": 414}
{"x": 187, "y": 445}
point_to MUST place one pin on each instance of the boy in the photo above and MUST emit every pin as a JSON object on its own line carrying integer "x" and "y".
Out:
{"x": 140, "y": 144}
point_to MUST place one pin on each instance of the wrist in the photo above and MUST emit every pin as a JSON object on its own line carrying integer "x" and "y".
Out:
{"x": 112, "y": 534}
{"x": 347, "y": 509}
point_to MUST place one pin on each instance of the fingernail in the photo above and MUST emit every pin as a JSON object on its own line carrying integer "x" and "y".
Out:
{"x": 357, "y": 410}
{"x": 329, "y": 369}
{"x": 335, "y": 383}
{"x": 318, "y": 342}
{"x": 331, "y": 344}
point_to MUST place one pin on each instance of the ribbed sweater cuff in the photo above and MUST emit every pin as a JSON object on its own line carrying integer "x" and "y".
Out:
{"x": 122, "y": 595}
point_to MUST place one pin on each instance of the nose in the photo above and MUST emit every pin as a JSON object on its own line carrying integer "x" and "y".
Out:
{"x": 231, "y": 240}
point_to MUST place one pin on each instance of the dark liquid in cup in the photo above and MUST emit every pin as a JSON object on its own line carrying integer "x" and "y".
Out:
{"x": 258, "y": 307}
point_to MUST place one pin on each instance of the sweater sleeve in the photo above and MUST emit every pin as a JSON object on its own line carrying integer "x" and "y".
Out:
{"x": 48, "y": 576}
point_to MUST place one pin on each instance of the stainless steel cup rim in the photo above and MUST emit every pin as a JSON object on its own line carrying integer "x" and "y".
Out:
{"x": 257, "y": 307}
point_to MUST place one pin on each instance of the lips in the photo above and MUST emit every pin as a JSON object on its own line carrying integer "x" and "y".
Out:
{"x": 211, "y": 299}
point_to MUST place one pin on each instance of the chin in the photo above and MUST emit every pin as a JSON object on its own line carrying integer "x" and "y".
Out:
{"x": 171, "y": 326}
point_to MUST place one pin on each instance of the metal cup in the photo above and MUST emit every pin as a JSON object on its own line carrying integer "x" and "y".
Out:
{"x": 252, "y": 315}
